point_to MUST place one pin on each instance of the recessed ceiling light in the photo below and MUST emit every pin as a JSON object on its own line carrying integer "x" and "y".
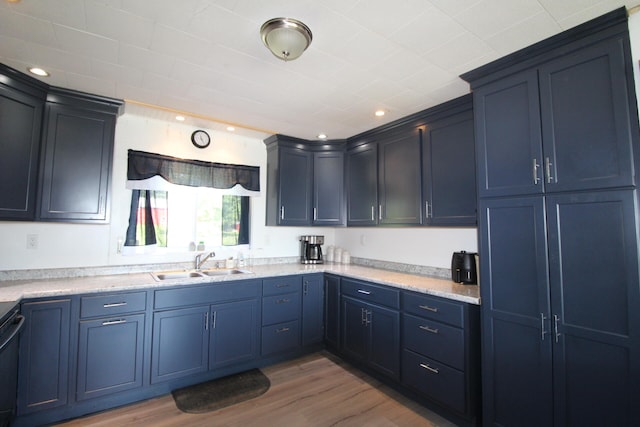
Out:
{"x": 322, "y": 136}
{"x": 13, "y": 1}
{"x": 379, "y": 113}
{"x": 38, "y": 72}
{"x": 231, "y": 128}
{"x": 180, "y": 118}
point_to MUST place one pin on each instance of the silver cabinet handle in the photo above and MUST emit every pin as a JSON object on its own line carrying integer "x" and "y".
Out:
{"x": 373, "y": 213}
{"x": 213, "y": 321}
{"x": 536, "y": 165}
{"x": 282, "y": 330}
{"x": 543, "y": 332}
{"x": 547, "y": 166}
{"x": 428, "y": 329}
{"x": 282, "y": 285}
{"x": 556, "y": 333}
{"x": 426, "y": 307}
{"x": 429, "y": 368}
{"x": 363, "y": 316}
{"x": 362, "y": 291}
{"x": 283, "y": 301}
{"x": 429, "y": 210}
{"x": 367, "y": 317}
{"x": 305, "y": 288}
{"x": 114, "y": 322}
{"x": 206, "y": 321}
{"x": 380, "y": 212}
{"x": 315, "y": 214}
{"x": 281, "y": 212}
{"x": 114, "y": 304}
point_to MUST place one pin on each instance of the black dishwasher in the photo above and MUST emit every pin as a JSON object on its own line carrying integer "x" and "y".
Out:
{"x": 10, "y": 324}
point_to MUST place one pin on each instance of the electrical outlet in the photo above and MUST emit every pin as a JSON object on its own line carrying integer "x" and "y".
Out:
{"x": 32, "y": 241}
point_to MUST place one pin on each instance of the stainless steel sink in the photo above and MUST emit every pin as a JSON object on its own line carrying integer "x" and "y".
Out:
{"x": 186, "y": 274}
{"x": 213, "y": 273}
{"x": 169, "y": 275}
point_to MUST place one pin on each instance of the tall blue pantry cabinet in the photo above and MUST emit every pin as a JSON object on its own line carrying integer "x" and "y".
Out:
{"x": 556, "y": 129}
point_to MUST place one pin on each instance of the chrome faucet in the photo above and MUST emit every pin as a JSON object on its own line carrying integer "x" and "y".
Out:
{"x": 199, "y": 260}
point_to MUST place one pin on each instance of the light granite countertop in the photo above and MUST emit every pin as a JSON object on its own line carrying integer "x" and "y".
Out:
{"x": 15, "y": 290}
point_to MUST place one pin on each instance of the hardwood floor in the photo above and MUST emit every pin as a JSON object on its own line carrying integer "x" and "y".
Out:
{"x": 313, "y": 391}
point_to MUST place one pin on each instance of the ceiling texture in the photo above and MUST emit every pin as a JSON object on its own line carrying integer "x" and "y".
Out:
{"x": 206, "y": 57}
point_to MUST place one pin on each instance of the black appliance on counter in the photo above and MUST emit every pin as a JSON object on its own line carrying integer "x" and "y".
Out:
{"x": 311, "y": 249}
{"x": 464, "y": 268}
{"x": 11, "y": 322}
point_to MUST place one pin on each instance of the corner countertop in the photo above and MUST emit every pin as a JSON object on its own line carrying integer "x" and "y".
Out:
{"x": 15, "y": 290}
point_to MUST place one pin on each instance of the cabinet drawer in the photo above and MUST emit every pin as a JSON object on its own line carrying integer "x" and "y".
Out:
{"x": 435, "y": 380}
{"x": 435, "y": 340}
{"x": 281, "y": 337}
{"x": 433, "y": 308}
{"x": 281, "y": 285}
{"x": 371, "y": 293}
{"x": 209, "y": 294}
{"x": 112, "y": 304}
{"x": 280, "y": 308}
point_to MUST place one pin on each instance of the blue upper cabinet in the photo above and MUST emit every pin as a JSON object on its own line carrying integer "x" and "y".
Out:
{"x": 449, "y": 167}
{"x": 562, "y": 126}
{"x": 305, "y": 182}
{"x": 586, "y": 119}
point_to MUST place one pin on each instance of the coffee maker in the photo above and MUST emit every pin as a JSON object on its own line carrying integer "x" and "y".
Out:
{"x": 310, "y": 249}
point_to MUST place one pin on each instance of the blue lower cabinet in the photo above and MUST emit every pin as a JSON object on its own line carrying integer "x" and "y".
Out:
{"x": 312, "y": 309}
{"x": 280, "y": 338}
{"x": 194, "y": 340}
{"x": 434, "y": 379}
{"x": 110, "y": 355}
{"x": 43, "y": 373}
{"x": 234, "y": 333}
{"x": 180, "y": 343}
{"x": 371, "y": 334}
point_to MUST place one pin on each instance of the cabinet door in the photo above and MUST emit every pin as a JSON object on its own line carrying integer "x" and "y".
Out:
{"x": 384, "y": 353}
{"x": 449, "y": 171}
{"x": 234, "y": 333}
{"x": 332, "y": 311}
{"x": 328, "y": 188}
{"x": 595, "y": 295}
{"x": 44, "y": 356}
{"x": 110, "y": 355}
{"x": 362, "y": 185}
{"x": 312, "y": 309}
{"x": 294, "y": 186}
{"x": 355, "y": 334}
{"x": 77, "y": 164}
{"x": 586, "y": 119}
{"x": 20, "y": 121}
{"x": 180, "y": 343}
{"x": 517, "y": 343}
{"x": 508, "y": 136}
{"x": 400, "y": 179}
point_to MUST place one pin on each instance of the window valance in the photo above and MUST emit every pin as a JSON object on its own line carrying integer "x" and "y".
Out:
{"x": 149, "y": 171}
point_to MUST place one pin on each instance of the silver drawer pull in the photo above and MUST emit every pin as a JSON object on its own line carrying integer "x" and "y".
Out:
{"x": 282, "y": 330}
{"x": 362, "y": 291}
{"x": 114, "y": 322}
{"x": 428, "y": 329}
{"x": 282, "y": 285}
{"x": 429, "y": 368}
{"x": 114, "y": 304}
{"x": 426, "y": 307}
{"x": 282, "y": 301}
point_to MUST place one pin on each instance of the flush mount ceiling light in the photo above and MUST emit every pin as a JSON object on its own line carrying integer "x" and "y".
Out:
{"x": 38, "y": 72}
{"x": 286, "y": 38}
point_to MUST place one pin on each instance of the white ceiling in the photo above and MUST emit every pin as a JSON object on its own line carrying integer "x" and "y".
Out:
{"x": 206, "y": 56}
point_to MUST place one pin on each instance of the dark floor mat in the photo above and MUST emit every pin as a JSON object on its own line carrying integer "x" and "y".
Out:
{"x": 216, "y": 394}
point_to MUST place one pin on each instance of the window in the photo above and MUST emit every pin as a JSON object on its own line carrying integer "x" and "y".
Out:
{"x": 177, "y": 218}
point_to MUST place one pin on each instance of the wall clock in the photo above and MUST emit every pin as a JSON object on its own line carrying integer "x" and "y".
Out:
{"x": 200, "y": 138}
